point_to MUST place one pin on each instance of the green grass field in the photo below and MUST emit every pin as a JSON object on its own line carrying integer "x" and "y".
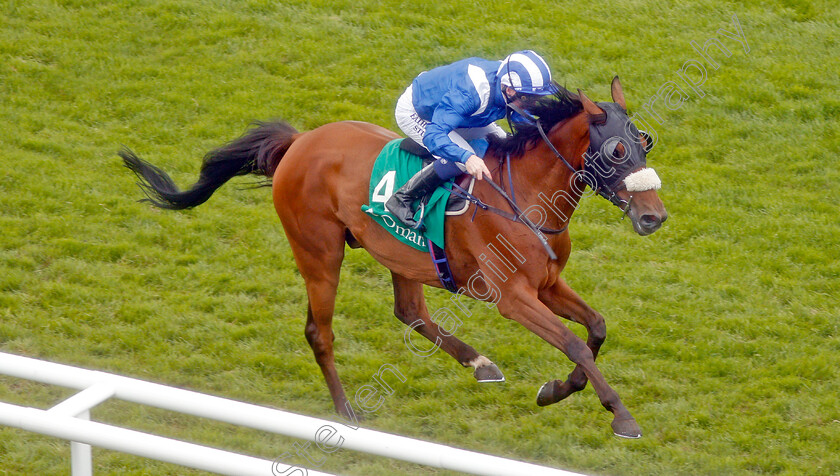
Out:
{"x": 723, "y": 335}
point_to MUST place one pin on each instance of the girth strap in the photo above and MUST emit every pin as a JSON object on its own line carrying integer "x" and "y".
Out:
{"x": 441, "y": 263}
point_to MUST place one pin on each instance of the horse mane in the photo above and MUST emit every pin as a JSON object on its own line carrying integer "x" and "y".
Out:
{"x": 550, "y": 110}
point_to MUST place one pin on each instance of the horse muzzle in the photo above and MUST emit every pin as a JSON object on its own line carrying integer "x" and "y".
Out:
{"x": 646, "y": 210}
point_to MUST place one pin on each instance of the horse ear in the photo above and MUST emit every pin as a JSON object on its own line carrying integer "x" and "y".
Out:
{"x": 617, "y": 93}
{"x": 590, "y": 107}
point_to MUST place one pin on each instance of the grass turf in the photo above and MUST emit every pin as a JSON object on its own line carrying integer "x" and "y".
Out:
{"x": 723, "y": 334}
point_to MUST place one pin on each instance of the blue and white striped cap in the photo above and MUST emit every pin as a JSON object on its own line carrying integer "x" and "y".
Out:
{"x": 526, "y": 72}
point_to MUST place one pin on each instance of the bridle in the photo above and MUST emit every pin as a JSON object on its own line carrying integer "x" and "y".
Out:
{"x": 609, "y": 176}
{"x": 601, "y": 171}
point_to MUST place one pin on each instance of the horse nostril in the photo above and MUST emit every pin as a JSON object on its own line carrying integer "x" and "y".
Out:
{"x": 650, "y": 221}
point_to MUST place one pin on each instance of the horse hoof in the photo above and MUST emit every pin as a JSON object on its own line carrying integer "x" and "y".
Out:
{"x": 488, "y": 373}
{"x": 627, "y": 428}
{"x": 547, "y": 393}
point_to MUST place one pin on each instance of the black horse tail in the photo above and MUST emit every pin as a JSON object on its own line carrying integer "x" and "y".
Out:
{"x": 257, "y": 152}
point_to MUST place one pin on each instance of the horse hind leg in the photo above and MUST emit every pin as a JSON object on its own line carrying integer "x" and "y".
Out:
{"x": 410, "y": 308}
{"x": 320, "y": 336}
{"x": 319, "y": 262}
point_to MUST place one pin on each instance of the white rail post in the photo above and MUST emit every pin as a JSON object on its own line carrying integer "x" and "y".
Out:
{"x": 79, "y": 405}
{"x": 81, "y": 454}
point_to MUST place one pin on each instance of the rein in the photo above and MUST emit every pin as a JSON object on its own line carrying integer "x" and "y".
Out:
{"x": 537, "y": 122}
{"x": 517, "y": 215}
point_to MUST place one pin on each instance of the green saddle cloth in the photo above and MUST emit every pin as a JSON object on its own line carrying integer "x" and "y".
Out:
{"x": 392, "y": 169}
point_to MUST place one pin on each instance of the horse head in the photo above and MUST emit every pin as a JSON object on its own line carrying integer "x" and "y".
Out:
{"x": 615, "y": 163}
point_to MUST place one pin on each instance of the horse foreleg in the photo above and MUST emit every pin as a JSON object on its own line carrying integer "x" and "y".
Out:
{"x": 564, "y": 302}
{"x": 539, "y": 319}
{"x": 410, "y": 308}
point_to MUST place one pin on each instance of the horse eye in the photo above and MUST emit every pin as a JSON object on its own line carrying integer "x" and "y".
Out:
{"x": 647, "y": 141}
{"x": 619, "y": 151}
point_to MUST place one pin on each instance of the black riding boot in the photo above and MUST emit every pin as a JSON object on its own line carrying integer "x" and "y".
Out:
{"x": 422, "y": 184}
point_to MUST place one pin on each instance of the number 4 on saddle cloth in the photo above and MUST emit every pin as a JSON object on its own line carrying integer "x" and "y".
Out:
{"x": 396, "y": 164}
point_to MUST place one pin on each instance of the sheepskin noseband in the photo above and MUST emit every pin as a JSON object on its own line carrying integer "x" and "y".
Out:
{"x": 645, "y": 179}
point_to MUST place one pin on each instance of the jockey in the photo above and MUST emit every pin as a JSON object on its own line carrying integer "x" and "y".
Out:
{"x": 451, "y": 109}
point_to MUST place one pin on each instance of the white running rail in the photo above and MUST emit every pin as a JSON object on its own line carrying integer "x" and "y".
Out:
{"x": 69, "y": 420}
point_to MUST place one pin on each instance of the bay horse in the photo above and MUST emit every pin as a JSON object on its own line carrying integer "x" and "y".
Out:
{"x": 320, "y": 182}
